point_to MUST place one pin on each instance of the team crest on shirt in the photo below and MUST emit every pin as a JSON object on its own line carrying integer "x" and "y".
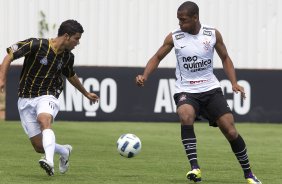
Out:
{"x": 179, "y": 36}
{"x": 14, "y": 47}
{"x": 207, "y": 45}
{"x": 44, "y": 61}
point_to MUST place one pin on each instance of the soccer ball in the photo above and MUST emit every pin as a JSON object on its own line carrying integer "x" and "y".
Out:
{"x": 128, "y": 145}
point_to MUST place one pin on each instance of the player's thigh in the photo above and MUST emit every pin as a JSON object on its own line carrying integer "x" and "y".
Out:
{"x": 187, "y": 107}
{"x": 216, "y": 107}
{"x": 28, "y": 115}
{"x": 220, "y": 111}
{"x": 47, "y": 109}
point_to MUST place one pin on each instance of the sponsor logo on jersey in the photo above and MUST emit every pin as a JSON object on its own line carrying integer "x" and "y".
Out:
{"x": 208, "y": 33}
{"x": 197, "y": 82}
{"x": 179, "y": 36}
{"x": 44, "y": 61}
{"x": 194, "y": 65}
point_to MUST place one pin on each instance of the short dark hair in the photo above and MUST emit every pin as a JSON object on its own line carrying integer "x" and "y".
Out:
{"x": 191, "y": 8}
{"x": 70, "y": 27}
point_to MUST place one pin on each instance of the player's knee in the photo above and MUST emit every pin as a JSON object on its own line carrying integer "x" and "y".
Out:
{"x": 45, "y": 120}
{"x": 186, "y": 119}
{"x": 186, "y": 114}
{"x": 231, "y": 134}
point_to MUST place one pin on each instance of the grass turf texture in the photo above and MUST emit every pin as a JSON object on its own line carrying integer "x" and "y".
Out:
{"x": 162, "y": 159}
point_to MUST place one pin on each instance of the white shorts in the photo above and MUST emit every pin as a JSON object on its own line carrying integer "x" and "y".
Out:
{"x": 29, "y": 108}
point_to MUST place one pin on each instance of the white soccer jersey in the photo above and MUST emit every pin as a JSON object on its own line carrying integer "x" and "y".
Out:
{"x": 194, "y": 54}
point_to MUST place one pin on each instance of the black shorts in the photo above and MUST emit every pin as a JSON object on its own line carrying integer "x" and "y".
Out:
{"x": 210, "y": 105}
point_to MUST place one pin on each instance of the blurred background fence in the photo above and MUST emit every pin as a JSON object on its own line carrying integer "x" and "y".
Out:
{"x": 127, "y": 32}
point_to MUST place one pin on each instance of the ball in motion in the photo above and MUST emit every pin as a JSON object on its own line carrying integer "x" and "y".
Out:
{"x": 128, "y": 145}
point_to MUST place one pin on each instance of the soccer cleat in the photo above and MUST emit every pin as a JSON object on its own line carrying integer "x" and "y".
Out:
{"x": 252, "y": 179}
{"x": 47, "y": 166}
{"x": 64, "y": 162}
{"x": 194, "y": 175}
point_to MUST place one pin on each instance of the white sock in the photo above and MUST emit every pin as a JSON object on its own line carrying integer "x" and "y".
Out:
{"x": 60, "y": 149}
{"x": 48, "y": 141}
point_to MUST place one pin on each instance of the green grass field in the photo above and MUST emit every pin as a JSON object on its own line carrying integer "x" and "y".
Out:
{"x": 162, "y": 159}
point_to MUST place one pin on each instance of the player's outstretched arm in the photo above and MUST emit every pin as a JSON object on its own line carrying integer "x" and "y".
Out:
{"x": 154, "y": 62}
{"x": 77, "y": 84}
{"x": 228, "y": 64}
{"x": 4, "y": 70}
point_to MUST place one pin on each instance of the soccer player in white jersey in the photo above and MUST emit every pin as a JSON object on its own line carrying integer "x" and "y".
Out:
{"x": 198, "y": 91}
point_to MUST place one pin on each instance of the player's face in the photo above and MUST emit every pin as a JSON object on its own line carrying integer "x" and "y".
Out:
{"x": 186, "y": 23}
{"x": 72, "y": 41}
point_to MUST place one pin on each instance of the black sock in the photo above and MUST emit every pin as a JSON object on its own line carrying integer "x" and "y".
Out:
{"x": 189, "y": 142}
{"x": 240, "y": 150}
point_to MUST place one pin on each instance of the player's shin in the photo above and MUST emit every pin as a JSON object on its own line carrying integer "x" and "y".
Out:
{"x": 189, "y": 142}
{"x": 48, "y": 141}
{"x": 240, "y": 150}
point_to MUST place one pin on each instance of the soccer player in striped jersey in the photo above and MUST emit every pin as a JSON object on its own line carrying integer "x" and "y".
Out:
{"x": 197, "y": 90}
{"x": 46, "y": 62}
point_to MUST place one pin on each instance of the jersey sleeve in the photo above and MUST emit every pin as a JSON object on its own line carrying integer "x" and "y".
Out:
{"x": 20, "y": 49}
{"x": 68, "y": 70}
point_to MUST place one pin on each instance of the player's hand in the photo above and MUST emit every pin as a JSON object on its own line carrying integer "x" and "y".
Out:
{"x": 139, "y": 80}
{"x": 237, "y": 88}
{"x": 93, "y": 97}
